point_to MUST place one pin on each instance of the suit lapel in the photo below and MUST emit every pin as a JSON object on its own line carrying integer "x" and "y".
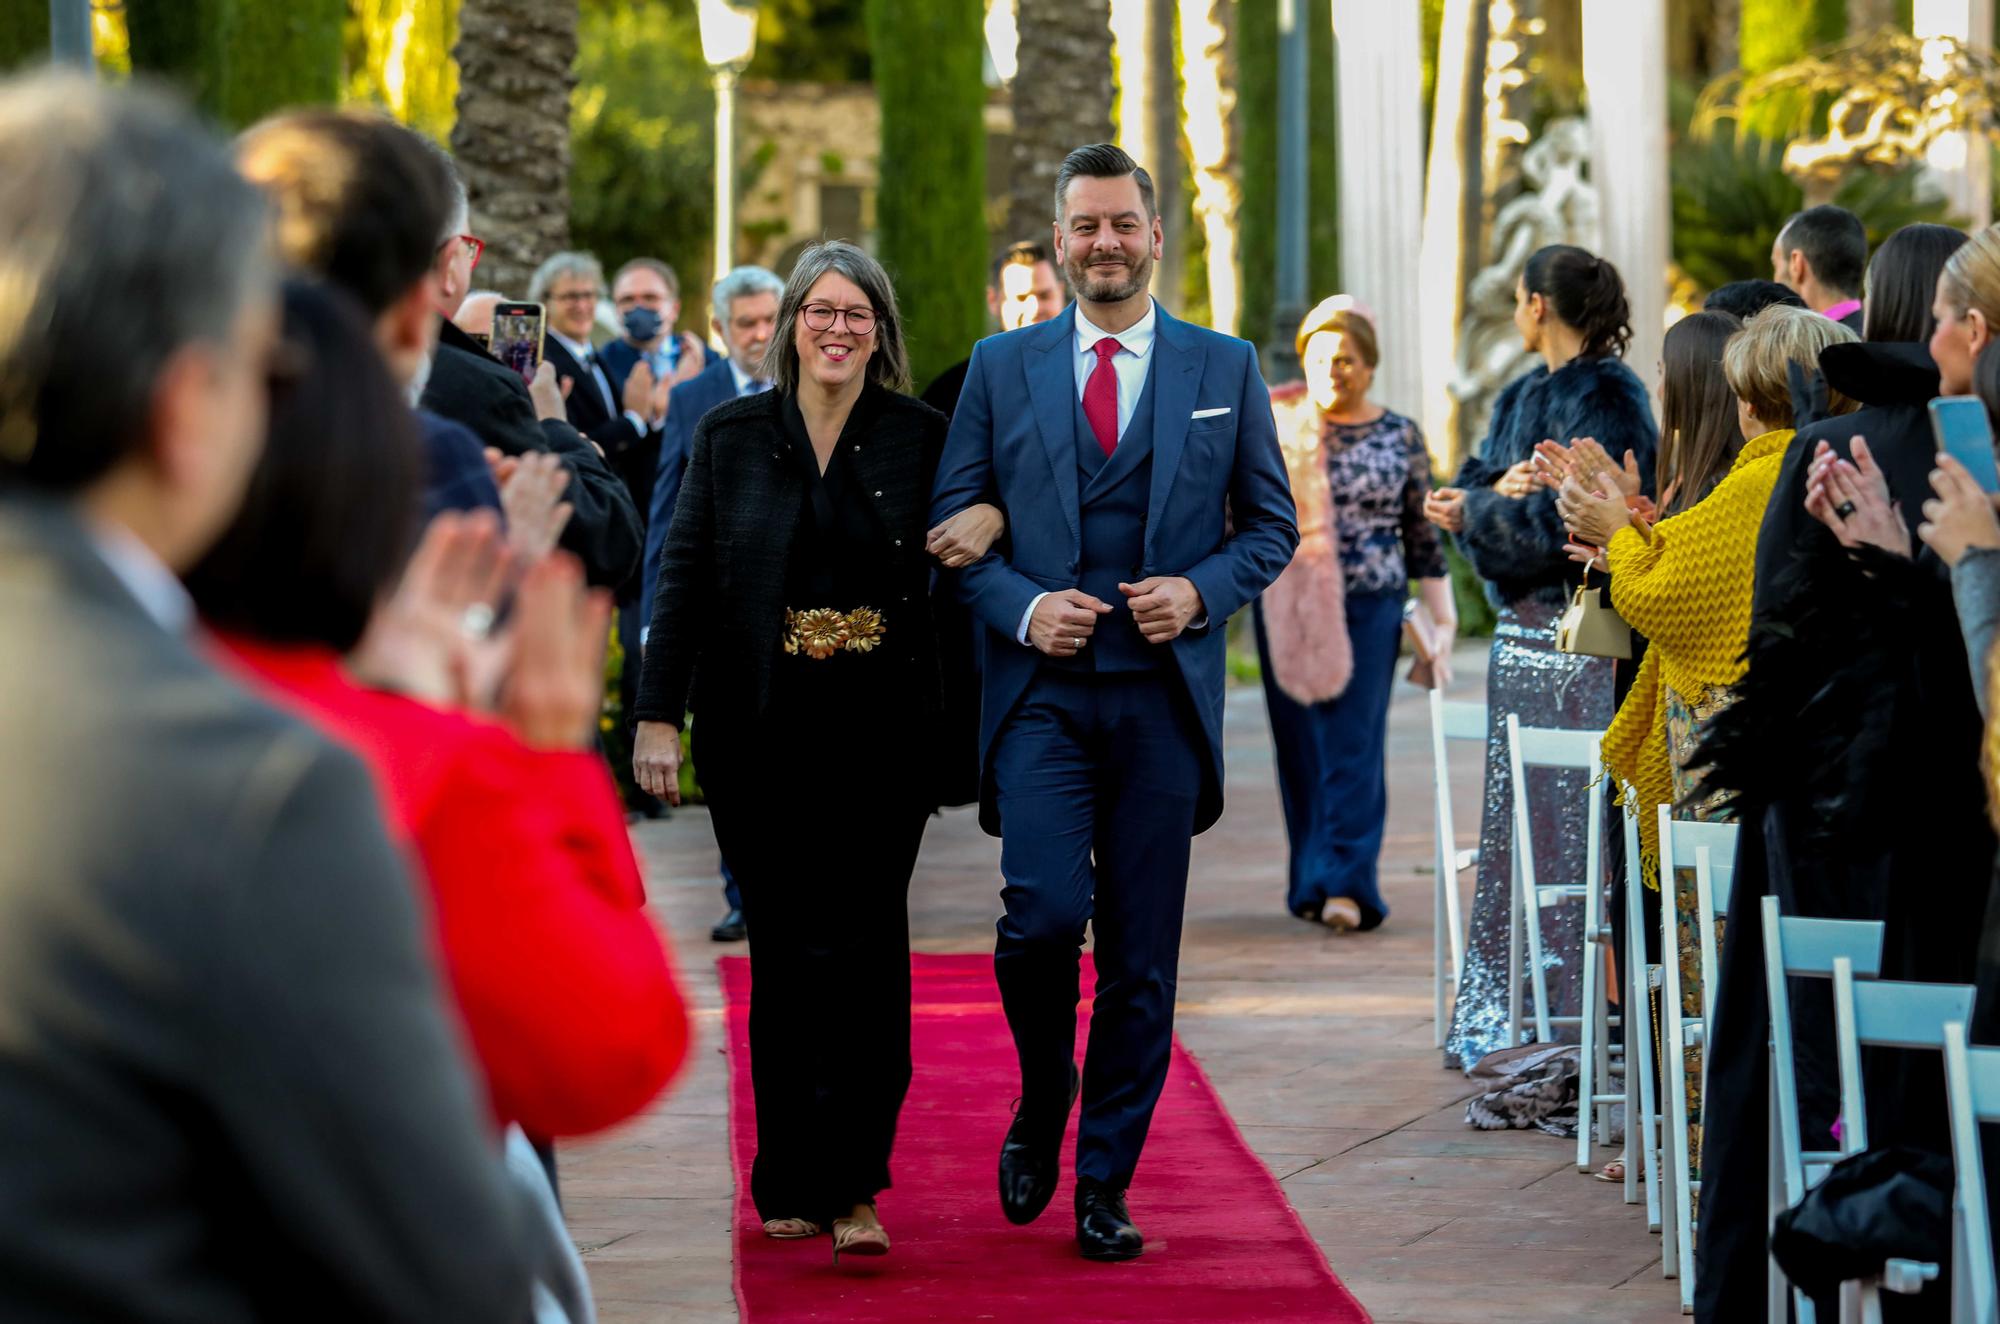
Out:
{"x": 1052, "y": 390}
{"x": 1177, "y": 360}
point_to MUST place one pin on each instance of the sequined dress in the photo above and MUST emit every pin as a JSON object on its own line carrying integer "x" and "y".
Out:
{"x": 1529, "y": 677}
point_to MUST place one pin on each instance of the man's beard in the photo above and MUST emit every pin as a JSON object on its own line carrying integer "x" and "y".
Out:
{"x": 1095, "y": 288}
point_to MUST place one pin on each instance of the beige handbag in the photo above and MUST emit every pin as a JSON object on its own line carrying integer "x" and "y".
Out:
{"x": 1592, "y": 626}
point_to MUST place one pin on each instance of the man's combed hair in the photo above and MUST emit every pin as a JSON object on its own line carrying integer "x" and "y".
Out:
{"x": 1102, "y": 161}
{"x": 1834, "y": 243}
{"x": 125, "y": 236}
{"x": 1024, "y": 254}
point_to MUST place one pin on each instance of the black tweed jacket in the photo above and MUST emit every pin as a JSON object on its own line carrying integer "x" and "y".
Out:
{"x": 719, "y": 611}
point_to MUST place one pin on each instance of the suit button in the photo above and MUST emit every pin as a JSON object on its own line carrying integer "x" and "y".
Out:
{"x": 899, "y": 542}
{"x": 878, "y": 491}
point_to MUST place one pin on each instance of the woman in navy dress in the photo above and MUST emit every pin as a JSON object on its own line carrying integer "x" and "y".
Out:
{"x": 1328, "y": 631}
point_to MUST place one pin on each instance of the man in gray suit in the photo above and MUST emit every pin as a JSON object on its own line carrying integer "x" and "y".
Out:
{"x": 228, "y": 1087}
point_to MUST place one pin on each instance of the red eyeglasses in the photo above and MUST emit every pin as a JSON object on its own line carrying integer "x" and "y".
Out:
{"x": 472, "y": 243}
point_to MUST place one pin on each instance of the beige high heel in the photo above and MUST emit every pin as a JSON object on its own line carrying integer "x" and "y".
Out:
{"x": 1341, "y": 914}
{"x": 855, "y": 1237}
{"x": 790, "y": 1229}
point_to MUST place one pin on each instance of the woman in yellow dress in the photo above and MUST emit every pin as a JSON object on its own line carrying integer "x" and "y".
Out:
{"x": 1685, "y": 584}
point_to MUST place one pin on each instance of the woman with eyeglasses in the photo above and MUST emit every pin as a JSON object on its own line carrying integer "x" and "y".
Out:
{"x": 792, "y": 617}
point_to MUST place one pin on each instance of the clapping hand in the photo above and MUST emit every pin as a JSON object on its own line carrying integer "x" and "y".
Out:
{"x": 433, "y": 638}
{"x": 1592, "y": 514}
{"x": 694, "y": 358}
{"x": 1445, "y": 507}
{"x": 1587, "y": 462}
{"x": 638, "y": 394}
{"x": 1518, "y": 483}
{"x": 531, "y": 488}
{"x": 555, "y": 688}
{"x": 1852, "y": 499}
{"x": 1960, "y": 517}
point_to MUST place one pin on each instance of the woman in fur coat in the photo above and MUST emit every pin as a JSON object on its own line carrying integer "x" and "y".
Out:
{"x": 1569, "y": 307}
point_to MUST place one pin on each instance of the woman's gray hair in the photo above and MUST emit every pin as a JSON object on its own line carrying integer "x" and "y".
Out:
{"x": 889, "y": 365}
{"x": 580, "y": 266}
{"x": 741, "y": 283}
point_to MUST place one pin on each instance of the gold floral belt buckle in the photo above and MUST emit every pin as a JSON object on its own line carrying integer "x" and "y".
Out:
{"x": 820, "y": 632}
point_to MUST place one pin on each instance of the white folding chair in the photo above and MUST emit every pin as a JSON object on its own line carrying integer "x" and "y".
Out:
{"x": 1972, "y": 1096}
{"x": 1599, "y": 1056}
{"x": 1449, "y": 721}
{"x": 1642, "y": 1114}
{"x": 1797, "y": 947}
{"x": 1886, "y": 1013}
{"x": 1685, "y": 843}
{"x": 1577, "y": 751}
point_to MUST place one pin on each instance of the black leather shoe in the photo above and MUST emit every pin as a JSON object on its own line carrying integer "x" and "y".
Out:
{"x": 1104, "y": 1230}
{"x": 731, "y": 929}
{"x": 1031, "y": 1158}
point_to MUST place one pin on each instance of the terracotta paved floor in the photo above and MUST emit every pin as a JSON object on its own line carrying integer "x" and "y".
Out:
{"x": 1319, "y": 1044}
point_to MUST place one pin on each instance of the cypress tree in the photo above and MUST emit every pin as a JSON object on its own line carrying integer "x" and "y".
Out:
{"x": 280, "y": 55}
{"x": 927, "y": 58}
{"x": 24, "y": 33}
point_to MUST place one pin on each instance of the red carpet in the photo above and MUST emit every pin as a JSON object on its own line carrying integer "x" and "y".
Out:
{"x": 1222, "y": 1243}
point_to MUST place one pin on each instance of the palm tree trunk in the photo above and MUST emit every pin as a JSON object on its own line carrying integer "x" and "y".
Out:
{"x": 1062, "y": 100}
{"x": 515, "y": 62}
{"x": 1208, "y": 105}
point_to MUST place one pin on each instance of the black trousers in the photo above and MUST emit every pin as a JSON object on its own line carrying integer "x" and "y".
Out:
{"x": 822, "y": 834}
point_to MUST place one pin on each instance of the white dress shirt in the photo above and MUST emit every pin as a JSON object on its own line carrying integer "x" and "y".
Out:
{"x": 156, "y": 589}
{"x": 744, "y": 381}
{"x": 1132, "y": 361}
{"x": 585, "y": 355}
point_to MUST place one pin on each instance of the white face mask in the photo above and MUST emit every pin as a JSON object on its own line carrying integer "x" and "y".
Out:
{"x": 421, "y": 378}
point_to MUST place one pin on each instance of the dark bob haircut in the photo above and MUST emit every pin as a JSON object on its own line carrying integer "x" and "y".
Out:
{"x": 333, "y": 507}
{"x": 1902, "y": 282}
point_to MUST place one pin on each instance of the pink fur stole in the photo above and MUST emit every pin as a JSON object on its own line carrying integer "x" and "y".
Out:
{"x": 1305, "y": 609}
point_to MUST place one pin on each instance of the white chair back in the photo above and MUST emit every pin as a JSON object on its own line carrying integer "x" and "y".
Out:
{"x": 1464, "y": 722}
{"x": 1546, "y": 747}
{"x": 1802, "y": 947}
{"x": 1642, "y": 1118}
{"x": 1685, "y": 843}
{"x": 1972, "y": 1096}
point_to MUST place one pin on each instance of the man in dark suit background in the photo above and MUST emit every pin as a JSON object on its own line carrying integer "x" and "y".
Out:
{"x": 1022, "y": 288}
{"x": 230, "y": 1082}
{"x": 646, "y": 293}
{"x": 1123, "y": 445}
{"x": 743, "y": 314}
{"x": 470, "y": 386}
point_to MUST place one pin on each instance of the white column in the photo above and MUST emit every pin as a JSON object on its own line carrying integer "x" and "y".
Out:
{"x": 1378, "y": 47}
{"x": 1625, "y": 82}
{"x": 1448, "y": 234}
{"x": 1963, "y": 165}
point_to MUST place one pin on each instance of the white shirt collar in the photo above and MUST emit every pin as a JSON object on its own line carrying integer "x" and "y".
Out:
{"x": 743, "y": 379}
{"x": 143, "y": 574}
{"x": 1136, "y": 339}
{"x": 579, "y": 350}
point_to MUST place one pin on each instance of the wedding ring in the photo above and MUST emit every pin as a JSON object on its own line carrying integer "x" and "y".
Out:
{"x": 477, "y": 622}
{"x": 1077, "y": 644}
{"x": 1845, "y": 509}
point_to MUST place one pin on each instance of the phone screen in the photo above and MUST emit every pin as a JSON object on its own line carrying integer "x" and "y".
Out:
{"x": 517, "y": 337}
{"x": 1965, "y": 432}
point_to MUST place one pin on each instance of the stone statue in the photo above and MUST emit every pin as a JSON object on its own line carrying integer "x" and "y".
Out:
{"x": 1558, "y": 205}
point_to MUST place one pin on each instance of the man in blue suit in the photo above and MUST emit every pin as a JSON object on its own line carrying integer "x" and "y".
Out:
{"x": 744, "y": 315}
{"x": 1124, "y": 446}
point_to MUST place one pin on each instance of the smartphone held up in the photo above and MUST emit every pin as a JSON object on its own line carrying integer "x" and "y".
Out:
{"x": 517, "y": 337}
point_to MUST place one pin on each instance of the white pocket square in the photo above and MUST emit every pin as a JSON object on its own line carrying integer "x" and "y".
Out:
{"x": 1208, "y": 413}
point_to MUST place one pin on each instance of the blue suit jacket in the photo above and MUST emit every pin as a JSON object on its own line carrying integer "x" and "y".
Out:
{"x": 1210, "y": 475}
{"x": 685, "y": 406}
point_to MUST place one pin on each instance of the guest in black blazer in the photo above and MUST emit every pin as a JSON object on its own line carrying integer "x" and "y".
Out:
{"x": 793, "y": 604}
{"x": 470, "y": 386}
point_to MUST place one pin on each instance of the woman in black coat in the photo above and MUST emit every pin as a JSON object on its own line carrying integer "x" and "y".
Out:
{"x": 793, "y": 618}
{"x": 1852, "y": 748}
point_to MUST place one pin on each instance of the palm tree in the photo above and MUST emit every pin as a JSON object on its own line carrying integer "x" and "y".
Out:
{"x": 1062, "y": 100}
{"x": 515, "y": 67}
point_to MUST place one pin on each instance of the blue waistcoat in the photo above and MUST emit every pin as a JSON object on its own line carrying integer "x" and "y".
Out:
{"x": 1112, "y": 496}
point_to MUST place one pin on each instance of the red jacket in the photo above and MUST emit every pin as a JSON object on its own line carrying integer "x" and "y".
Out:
{"x": 564, "y": 984}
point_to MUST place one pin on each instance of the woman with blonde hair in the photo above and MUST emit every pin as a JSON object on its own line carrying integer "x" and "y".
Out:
{"x": 1685, "y": 584}
{"x": 1851, "y": 754}
{"x": 1328, "y": 629}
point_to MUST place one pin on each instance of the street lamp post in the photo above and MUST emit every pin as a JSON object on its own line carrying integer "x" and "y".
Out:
{"x": 728, "y": 40}
{"x": 69, "y": 33}
{"x": 1293, "y": 165}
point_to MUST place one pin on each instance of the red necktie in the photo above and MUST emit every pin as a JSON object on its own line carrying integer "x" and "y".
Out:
{"x": 1100, "y": 396}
